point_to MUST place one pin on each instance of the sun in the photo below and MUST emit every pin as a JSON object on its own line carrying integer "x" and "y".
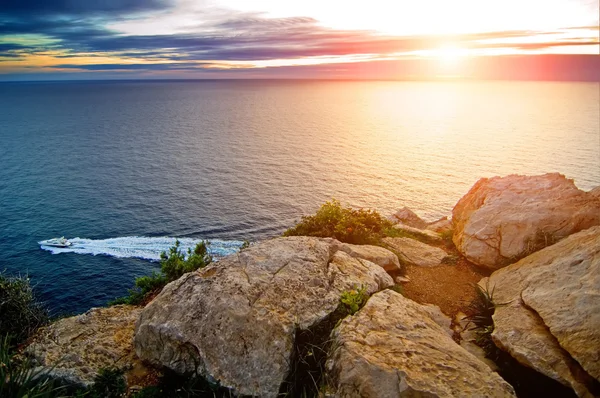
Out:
{"x": 450, "y": 55}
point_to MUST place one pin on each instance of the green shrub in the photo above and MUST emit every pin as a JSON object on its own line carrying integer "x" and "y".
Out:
{"x": 175, "y": 263}
{"x": 342, "y": 223}
{"x": 172, "y": 266}
{"x": 21, "y": 313}
{"x": 18, "y": 379}
{"x": 353, "y": 300}
{"x": 109, "y": 383}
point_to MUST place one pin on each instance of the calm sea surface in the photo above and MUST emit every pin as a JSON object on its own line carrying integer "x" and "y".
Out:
{"x": 122, "y": 168}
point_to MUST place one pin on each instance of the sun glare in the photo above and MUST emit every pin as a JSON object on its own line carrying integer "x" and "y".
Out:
{"x": 450, "y": 55}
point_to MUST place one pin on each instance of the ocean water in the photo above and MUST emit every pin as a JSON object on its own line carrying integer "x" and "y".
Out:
{"x": 124, "y": 168}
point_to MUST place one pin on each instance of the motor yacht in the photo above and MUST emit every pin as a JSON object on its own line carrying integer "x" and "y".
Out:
{"x": 56, "y": 242}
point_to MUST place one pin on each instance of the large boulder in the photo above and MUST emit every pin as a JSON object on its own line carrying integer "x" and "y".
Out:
{"x": 547, "y": 310}
{"x": 411, "y": 251}
{"x": 393, "y": 347}
{"x": 74, "y": 349}
{"x": 234, "y": 322}
{"x": 503, "y": 219}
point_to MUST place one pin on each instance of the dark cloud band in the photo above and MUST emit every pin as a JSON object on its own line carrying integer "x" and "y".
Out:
{"x": 77, "y": 26}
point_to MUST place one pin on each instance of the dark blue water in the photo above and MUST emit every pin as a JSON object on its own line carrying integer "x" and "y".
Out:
{"x": 227, "y": 161}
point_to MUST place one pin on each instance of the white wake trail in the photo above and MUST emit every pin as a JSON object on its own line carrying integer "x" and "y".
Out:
{"x": 148, "y": 248}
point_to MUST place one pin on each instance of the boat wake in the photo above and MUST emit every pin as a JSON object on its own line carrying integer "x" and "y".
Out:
{"x": 148, "y": 248}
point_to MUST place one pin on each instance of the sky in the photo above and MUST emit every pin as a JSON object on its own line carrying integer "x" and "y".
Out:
{"x": 350, "y": 39}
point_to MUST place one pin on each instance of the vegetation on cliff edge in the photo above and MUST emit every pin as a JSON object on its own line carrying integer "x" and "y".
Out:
{"x": 173, "y": 265}
{"x": 21, "y": 313}
{"x": 345, "y": 224}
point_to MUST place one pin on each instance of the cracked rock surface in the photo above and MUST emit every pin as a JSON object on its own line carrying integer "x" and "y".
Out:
{"x": 503, "y": 219}
{"x": 234, "y": 322}
{"x": 393, "y": 347}
{"x": 75, "y": 348}
{"x": 547, "y": 314}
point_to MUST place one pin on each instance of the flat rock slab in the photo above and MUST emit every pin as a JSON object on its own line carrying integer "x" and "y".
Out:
{"x": 501, "y": 220}
{"x": 235, "y": 321}
{"x": 548, "y": 312}
{"x": 76, "y": 348}
{"x": 413, "y": 252}
{"x": 394, "y": 348}
{"x": 425, "y": 234}
{"x": 376, "y": 254}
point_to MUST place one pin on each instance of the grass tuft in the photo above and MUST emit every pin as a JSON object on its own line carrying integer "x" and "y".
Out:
{"x": 481, "y": 311}
{"x": 18, "y": 379}
{"x": 109, "y": 383}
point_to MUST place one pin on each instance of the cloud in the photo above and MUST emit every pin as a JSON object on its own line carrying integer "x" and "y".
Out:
{"x": 540, "y": 46}
{"x": 138, "y": 67}
{"x": 78, "y": 7}
{"x": 5, "y": 47}
{"x": 72, "y": 27}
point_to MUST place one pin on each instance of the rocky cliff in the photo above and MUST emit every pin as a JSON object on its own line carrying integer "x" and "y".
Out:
{"x": 272, "y": 316}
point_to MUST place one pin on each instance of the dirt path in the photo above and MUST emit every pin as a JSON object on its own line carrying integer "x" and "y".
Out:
{"x": 450, "y": 287}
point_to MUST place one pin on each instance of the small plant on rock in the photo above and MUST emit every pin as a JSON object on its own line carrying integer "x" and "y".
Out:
{"x": 353, "y": 300}
{"x": 109, "y": 383}
{"x": 481, "y": 311}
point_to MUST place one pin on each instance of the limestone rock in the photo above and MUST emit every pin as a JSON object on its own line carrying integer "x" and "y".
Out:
{"x": 425, "y": 234}
{"x": 407, "y": 217}
{"x": 393, "y": 348}
{"x": 503, "y": 219}
{"x": 548, "y": 312}
{"x": 440, "y": 226}
{"x": 595, "y": 192}
{"x": 234, "y": 322}
{"x": 436, "y": 314}
{"x": 412, "y": 251}
{"x": 567, "y": 297}
{"x": 76, "y": 348}
{"x": 376, "y": 254}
